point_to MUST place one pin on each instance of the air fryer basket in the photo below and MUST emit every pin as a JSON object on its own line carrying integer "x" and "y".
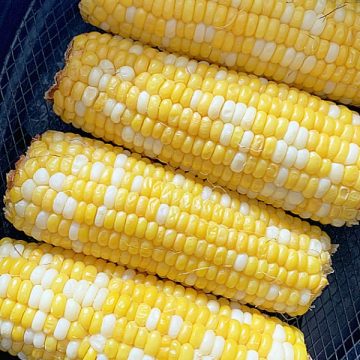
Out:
{"x": 332, "y": 328}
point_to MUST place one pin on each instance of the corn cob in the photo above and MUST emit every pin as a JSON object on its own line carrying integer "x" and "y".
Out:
{"x": 81, "y": 194}
{"x": 313, "y": 45}
{"x": 282, "y": 146}
{"x": 56, "y": 304}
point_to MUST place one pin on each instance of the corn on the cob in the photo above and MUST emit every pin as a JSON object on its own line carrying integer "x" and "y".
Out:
{"x": 313, "y": 45}
{"x": 79, "y": 193}
{"x": 56, "y": 304}
{"x": 282, "y": 146}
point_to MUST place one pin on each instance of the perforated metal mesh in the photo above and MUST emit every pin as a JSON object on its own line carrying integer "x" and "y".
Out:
{"x": 332, "y": 328}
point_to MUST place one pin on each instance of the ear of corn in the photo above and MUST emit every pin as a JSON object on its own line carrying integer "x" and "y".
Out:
{"x": 62, "y": 305}
{"x": 283, "y": 146}
{"x": 79, "y": 193}
{"x": 313, "y": 45}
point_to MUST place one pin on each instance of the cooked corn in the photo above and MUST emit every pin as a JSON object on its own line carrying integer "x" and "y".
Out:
{"x": 97, "y": 199}
{"x": 56, "y": 304}
{"x": 313, "y": 45}
{"x": 280, "y": 145}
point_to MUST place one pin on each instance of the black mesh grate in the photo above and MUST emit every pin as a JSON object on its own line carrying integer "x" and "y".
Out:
{"x": 332, "y": 329}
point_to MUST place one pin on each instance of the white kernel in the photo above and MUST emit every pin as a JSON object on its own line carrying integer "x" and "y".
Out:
{"x": 94, "y": 77}
{"x": 339, "y": 14}
{"x": 355, "y": 119}
{"x": 70, "y": 287}
{"x": 56, "y": 181}
{"x": 89, "y": 95}
{"x": 97, "y": 342}
{"x": 230, "y": 59}
{"x": 246, "y": 140}
{"x": 305, "y": 297}
{"x": 215, "y": 107}
{"x": 28, "y": 336}
{"x": 126, "y": 73}
{"x": 336, "y": 173}
{"x": 100, "y": 298}
{"x": 101, "y": 280}
{"x": 117, "y": 176}
{"x": 258, "y": 47}
{"x": 175, "y": 326}
{"x": 157, "y": 147}
{"x": 241, "y": 262}
{"x": 248, "y": 118}
{"x": 329, "y": 87}
{"x": 332, "y": 53}
{"x": 290, "y": 157}
{"x": 109, "y": 197}
{"x": 4, "y": 283}
{"x": 162, "y": 214}
{"x": 130, "y": 14}
{"x": 39, "y": 340}
{"x": 35, "y": 296}
{"x": 107, "y": 67}
{"x": 272, "y": 293}
{"x": 128, "y": 134}
{"x": 225, "y": 200}
{"x": 41, "y": 220}
{"x": 207, "y": 342}
{"x": 170, "y": 28}
{"x": 291, "y": 132}
{"x": 179, "y": 180}
{"x": 276, "y": 352}
{"x": 90, "y": 295}
{"x": 100, "y": 216}
{"x": 268, "y": 51}
{"x": 142, "y": 103}
{"x": 309, "y": 19}
{"x": 48, "y": 278}
{"x": 61, "y": 329}
{"x": 308, "y": 64}
{"x": 238, "y": 162}
{"x": 288, "y": 13}
{"x": 238, "y": 315}
{"x": 6, "y": 329}
{"x": 37, "y": 274}
{"x": 213, "y": 306}
{"x": 334, "y": 111}
{"x": 239, "y": 113}
{"x": 153, "y": 319}
{"x": 218, "y": 348}
{"x": 72, "y": 310}
{"x": 288, "y": 351}
{"x": 138, "y": 140}
{"x": 297, "y": 62}
{"x": 136, "y": 354}
{"x": 288, "y": 57}
{"x": 97, "y": 170}
{"x": 195, "y": 99}
{"x": 323, "y": 187}
{"x": 104, "y": 81}
{"x": 199, "y": 33}
{"x": 226, "y": 134}
{"x": 117, "y": 112}
{"x": 302, "y": 159}
{"x": 209, "y": 34}
{"x": 74, "y": 231}
{"x": 108, "y": 325}
{"x": 227, "y": 111}
{"x": 72, "y": 349}
{"x": 41, "y": 177}
{"x": 315, "y": 248}
{"x": 272, "y": 232}
{"x": 279, "y": 152}
{"x": 294, "y": 198}
{"x": 323, "y": 210}
{"x": 70, "y": 208}
{"x": 318, "y": 27}
{"x": 353, "y": 154}
{"x": 27, "y": 189}
{"x": 20, "y": 208}
{"x": 281, "y": 177}
{"x": 79, "y": 162}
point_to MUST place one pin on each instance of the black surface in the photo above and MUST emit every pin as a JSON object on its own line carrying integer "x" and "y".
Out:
{"x": 332, "y": 328}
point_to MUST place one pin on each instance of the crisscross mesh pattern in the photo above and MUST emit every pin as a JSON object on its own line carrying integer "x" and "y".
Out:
{"x": 332, "y": 329}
